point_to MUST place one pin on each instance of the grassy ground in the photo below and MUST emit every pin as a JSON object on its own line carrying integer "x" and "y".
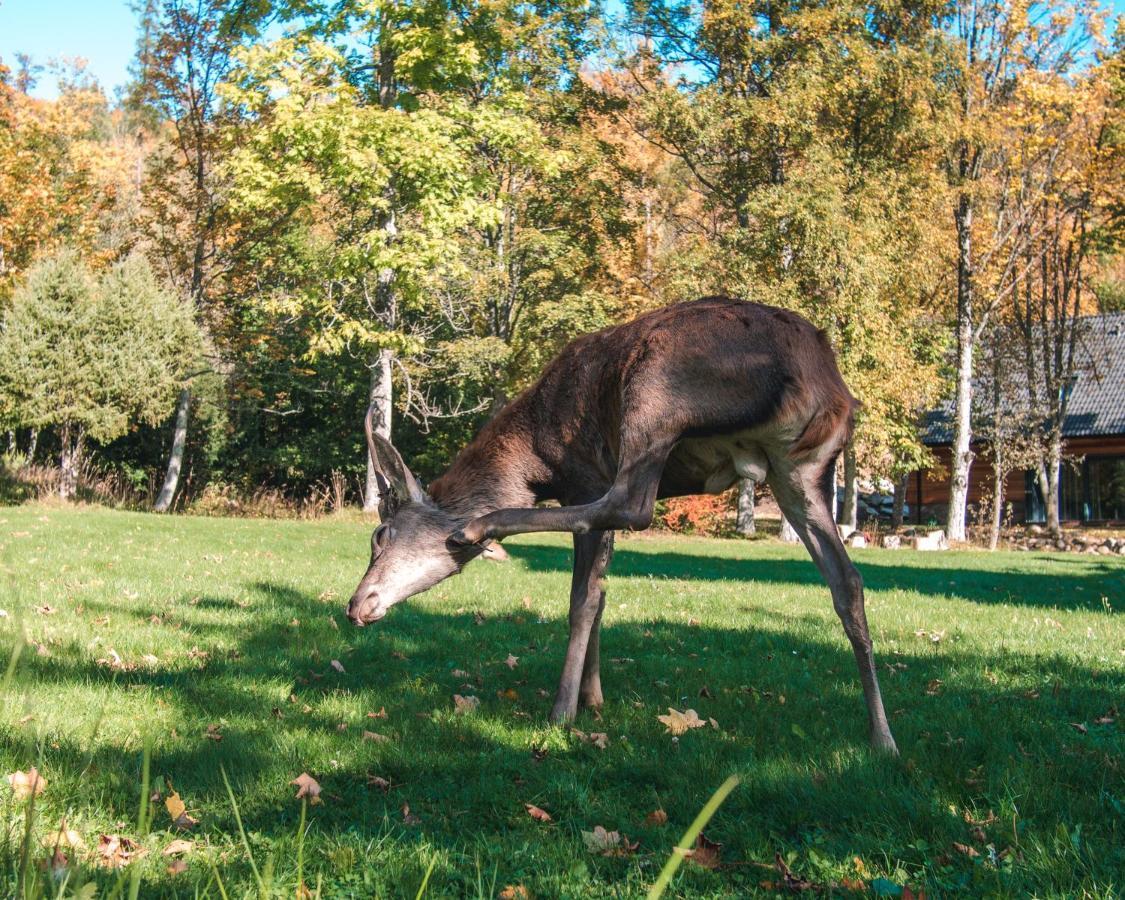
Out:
{"x": 229, "y": 628}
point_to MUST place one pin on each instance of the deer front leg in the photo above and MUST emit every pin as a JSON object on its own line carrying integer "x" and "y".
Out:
{"x": 581, "y": 678}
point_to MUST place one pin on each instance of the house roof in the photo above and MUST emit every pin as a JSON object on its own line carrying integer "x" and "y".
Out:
{"x": 1097, "y": 400}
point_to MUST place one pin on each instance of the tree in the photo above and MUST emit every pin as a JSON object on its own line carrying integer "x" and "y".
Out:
{"x": 997, "y": 43}
{"x": 92, "y": 356}
{"x": 184, "y": 53}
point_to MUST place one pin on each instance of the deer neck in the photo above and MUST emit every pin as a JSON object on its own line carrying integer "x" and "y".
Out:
{"x": 495, "y": 471}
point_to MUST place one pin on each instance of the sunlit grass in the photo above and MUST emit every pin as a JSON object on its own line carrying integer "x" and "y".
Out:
{"x": 159, "y": 629}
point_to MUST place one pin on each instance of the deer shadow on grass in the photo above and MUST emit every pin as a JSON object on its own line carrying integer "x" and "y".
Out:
{"x": 788, "y": 706}
{"x": 930, "y": 574}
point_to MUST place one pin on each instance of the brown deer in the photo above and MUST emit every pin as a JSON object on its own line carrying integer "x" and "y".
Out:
{"x": 683, "y": 400}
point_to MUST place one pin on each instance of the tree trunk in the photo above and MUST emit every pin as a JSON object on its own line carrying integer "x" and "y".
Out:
{"x": 899, "y": 508}
{"x": 849, "y": 515}
{"x": 32, "y": 443}
{"x": 1051, "y": 498}
{"x": 69, "y": 459}
{"x": 788, "y": 534}
{"x": 11, "y": 440}
{"x": 963, "y": 398}
{"x": 176, "y": 457}
{"x": 744, "y": 522}
{"x": 997, "y": 499}
{"x": 380, "y": 395}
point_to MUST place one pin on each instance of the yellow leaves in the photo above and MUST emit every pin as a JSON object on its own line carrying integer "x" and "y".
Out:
{"x": 27, "y": 784}
{"x": 680, "y": 722}
{"x": 115, "y": 851}
{"x": 178, "y": 812}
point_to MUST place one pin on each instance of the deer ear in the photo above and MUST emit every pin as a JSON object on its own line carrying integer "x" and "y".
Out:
{"x": 391, "y": 472}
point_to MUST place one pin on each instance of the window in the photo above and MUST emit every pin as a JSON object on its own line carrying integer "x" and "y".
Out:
{"x": 1091, "y": 491}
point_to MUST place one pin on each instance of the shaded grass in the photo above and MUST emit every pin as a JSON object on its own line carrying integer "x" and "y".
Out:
{"x": 244, "y": 617}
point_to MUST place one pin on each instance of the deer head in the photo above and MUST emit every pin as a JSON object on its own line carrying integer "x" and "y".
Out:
{"x": 410, "y": 550}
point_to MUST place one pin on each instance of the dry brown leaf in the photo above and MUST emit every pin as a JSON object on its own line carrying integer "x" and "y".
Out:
{"x": 656, "y": 818}
{"x": 27, "y": 784}
{"x": 408, "y": 817}
{"x": 460, "y": 673}
{"x": 512, "y": 661}
{"x": 680, "y": 722}
{"x": 307, "y": 787}
{"x": 1079, "y": 727}
{"x": 540, "y": 815}
{"x": 376, "y": 781}
{"x": 214, "y": 732}
{"x": 178, "y": 811}
{"x": 178, "y": 846}
{"x": 463, "y": 705}
{"x": 706, "y": 853}
{"x": 381, "y": 714}
{"x": 177, "y": 867}
{"x": 115, "y": 851}
{"x": 508, "y": 694}
{"x": 337, "y": 665}
{"x": 376, "y": 737}
{"x": 965, "y": 849}
{"x": 599, "y": 739}
{"x": 933, "y": 687}
{"x": 514, "y": 892}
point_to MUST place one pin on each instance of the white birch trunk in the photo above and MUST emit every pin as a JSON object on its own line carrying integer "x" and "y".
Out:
{"x": 69, "y": 460}
{"x": 744, "y": 522}
{"x": 849, "y": 515}
{"x": 176, "y": 457}
{"x": 788, "y": 534}
{"x": 381, "y": 395}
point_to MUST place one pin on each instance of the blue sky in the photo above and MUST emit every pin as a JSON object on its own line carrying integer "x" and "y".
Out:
{"x": 103, "y": 32}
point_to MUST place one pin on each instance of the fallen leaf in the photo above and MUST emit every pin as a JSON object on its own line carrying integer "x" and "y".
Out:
{"x": 178, "y": 811}
{"x": 656, "y": 818}
{"x": 526, "y": 601}
{"x": 706, "y": 853}
{"x": 705, "y": 692}
{"x": 514, "y": 892}
{"x": 408, "y": 817}
{"x": 965, "y": 849}
{"x": 511, "y": 661}
{"x": 463, "y": 705}
{"x": 27, "y": 784}
{"x": 46, "y": 610}
{"x": 509, "y": 694}
{"x": 375, "y": 737}
{"x": 177, "y": 867}
{"x": 376, "y": 781}
{"x": 540, "y": 815}
{"x": 337, "y": 665}
{"x": 680, "y": 722}
{"x": 478, "y": 617}
{"x": 178, "y": 846}
{"x": 933, "y": 687}
{"x": 64, "y": 837}
{"x": 115, "y": 851}
{"x": 214, "y": 732}
{"x": 307, "y": 787}
{"x": 607, "y": 843}
{"x": 460, "y": 673}
{"x": 1079, "y": 727}
{"x": 381, "y": 714}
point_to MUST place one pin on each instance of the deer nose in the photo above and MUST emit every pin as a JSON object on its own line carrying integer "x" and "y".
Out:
{"x": 355, "y": 609}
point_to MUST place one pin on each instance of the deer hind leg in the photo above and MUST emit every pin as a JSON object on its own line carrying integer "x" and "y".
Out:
{"x": 581, "y": 675}
{"x": 802, "y": 491}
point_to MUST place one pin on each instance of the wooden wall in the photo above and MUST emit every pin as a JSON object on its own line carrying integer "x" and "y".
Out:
{"x": 928, "y": 495}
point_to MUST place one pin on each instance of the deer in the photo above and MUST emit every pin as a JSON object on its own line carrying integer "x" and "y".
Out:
{"x": 682, "y": 400}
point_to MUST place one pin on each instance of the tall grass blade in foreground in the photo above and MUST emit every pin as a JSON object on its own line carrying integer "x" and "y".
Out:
{"x": 242, "y": 833}
{"x": 686, "y": 842}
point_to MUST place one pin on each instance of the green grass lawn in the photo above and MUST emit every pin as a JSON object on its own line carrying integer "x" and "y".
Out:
{"x": 230, "y": 628}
